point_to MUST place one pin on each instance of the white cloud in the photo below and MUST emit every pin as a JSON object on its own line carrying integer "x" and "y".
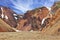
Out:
{"x": 21, "y": 6}
{"x": 24, "y": 5}
{"x": 49, "y": 8}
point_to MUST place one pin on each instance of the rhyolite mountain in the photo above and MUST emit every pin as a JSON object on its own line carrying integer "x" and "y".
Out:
{"x": 32, "y": 19}
{"x": 9, "y": 16}
{"x": 36, "y": 19}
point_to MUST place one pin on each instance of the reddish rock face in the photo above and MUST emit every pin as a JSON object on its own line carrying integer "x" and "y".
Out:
{"x": 32, "y": 19}
{"x": 4, "y": 29}
{"x": 40, "y": 12}
{"x": 24, "y": 25}
{"x": 8, "y": 16}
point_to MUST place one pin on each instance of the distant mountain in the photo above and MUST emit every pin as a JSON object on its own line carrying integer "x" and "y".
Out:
{"x": 56, "y": 6}
{"x": 36, "y": 19}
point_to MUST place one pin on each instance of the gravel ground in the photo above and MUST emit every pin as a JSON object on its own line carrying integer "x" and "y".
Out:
{"x": 27, "y": 36}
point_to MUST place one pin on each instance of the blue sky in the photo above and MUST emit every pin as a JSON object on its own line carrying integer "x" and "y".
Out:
{"x": 21, "y": 6}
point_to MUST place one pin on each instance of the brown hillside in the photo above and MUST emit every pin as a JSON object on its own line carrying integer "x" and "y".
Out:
{"x": 54, "y": 25}
{"x": 4, "y": 27}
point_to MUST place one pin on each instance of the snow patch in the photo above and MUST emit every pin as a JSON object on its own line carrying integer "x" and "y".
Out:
{"x": 6, "y": 17}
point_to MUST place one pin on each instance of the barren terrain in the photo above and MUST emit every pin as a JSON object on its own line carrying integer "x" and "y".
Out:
{"x": 36, "y": 35}
{"x": 27, "y": 36}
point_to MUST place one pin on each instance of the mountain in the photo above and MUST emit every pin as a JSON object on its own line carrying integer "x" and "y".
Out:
{"x": 40, "y": 18}
{"x": 8, "y": 15}
{"x": 34, "y": 19}
{"x": 55, "y": 6}
{"x": 54, "y": 25}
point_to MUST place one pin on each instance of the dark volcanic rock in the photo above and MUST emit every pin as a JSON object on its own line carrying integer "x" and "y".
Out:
{"x": 8, "y": 16}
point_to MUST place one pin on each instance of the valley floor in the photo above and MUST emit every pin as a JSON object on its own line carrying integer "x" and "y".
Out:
{"x": 27, "y": 36}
